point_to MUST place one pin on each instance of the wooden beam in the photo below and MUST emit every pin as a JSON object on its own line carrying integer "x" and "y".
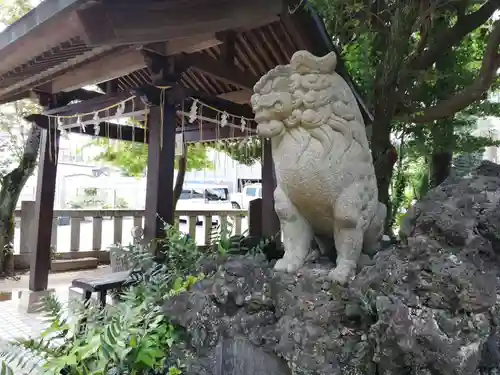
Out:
{"x": 103, "y": 101}
{"x": 104, "y": 69}
{"x": 21, "y": 96}
{"x": 192, "y": 133}
{"x": 222, "y": 71}
{"x": 153, "y": 95}
{"x": 243, "y": 110}
{"x": 111, "y": 86}
{"x": 35, "y": 33}
{"x": 114, "y": 131}
{"x": 42, "y": 79}
{"x": 163, "y": 70}
{"x": 121, "y": 63}
{"x": 308, "y": 32}
{"x": 159, "y": 48}
{"x": 66, "y": 97}
{"x": 239, "y": 97}
{"x": 149, "y": 21}
{"x": 228, "y": 48}
{"x": 97, "y": 104}
{"x": 82, "y": 94}
{"x": 291, "y": 25}
{"x": 34, "y": 94}
{"x": 89, "y": 105}
{"x": 106, "y": 129}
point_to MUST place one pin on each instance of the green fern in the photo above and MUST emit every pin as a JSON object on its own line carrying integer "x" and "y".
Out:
{"x": 225, "y": 244}
{"x": 220, "y": 236}
{"x": 131, "y": 337}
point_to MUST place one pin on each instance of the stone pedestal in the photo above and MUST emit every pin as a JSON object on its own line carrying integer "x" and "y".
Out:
{"x": 425, "y": 307}
{"x": 30, "y": 302}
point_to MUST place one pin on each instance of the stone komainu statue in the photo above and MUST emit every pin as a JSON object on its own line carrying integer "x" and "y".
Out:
{"x": 326, "y": 185}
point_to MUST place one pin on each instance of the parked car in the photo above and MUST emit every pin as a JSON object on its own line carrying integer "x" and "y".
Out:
{"x": 203, "y": 197}
{"x": 249, "y": 193}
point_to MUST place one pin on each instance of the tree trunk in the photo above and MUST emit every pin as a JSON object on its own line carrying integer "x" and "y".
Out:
{"x": 443, "y": 144}
{"x": 382, "y": 161}
{"x": 12, "y": 185}
{"x": 399, "y": 185}
{"x": 439, "y": 167}
{"x": 181, "y": 174}
{"x": 390, "y": 47}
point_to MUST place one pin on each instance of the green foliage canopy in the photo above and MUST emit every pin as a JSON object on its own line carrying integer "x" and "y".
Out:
{"x": 12, "y": 10}
{"x": 247, "y": 151}
{"x": 418, "y": 65}
{"x": 132, "y": 157}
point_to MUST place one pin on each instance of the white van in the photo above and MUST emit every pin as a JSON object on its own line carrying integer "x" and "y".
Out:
{"x": 249, "y": 193}
{"x": 203, "y": 197}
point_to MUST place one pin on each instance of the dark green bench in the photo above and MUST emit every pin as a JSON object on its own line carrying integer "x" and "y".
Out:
{"x": 100, "y": 285}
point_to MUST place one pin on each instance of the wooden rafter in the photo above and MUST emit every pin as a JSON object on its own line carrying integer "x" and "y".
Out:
{"x": 253, "y": 37}
{"x": 147, "y": 21}
{"x": 104, "y": 69}
{"x": 221, "y": 70}
{"x": 123, "y": 62}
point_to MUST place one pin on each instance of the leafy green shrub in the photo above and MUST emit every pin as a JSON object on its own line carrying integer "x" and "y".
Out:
{"x": 131, "y": 337}
{"x": 220, "y": 236}
{"x": 222, "y": 243}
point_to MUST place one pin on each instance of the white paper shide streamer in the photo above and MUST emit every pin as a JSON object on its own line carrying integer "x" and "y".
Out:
{"x": 97, "y": 121}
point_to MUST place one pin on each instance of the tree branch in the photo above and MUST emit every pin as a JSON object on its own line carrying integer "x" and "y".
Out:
{"x": 487, "y": 75}
{"x": 453, "y": 36}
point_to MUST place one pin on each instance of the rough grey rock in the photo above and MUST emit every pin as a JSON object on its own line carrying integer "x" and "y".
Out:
{"x": 239, "y": 356}
{"x": 423, "y": 308}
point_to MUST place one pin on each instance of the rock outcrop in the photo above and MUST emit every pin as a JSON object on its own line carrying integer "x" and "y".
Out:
{"x": 425, "y": 307}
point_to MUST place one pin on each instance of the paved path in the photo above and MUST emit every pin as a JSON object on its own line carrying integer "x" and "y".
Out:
{"x": 15, "y": 320}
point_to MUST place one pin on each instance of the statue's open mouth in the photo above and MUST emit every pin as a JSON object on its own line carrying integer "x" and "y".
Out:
{"x": 270, "y": 129}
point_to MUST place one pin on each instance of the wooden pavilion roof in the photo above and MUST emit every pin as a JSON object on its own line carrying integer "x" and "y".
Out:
{"x": 64, "y": 45}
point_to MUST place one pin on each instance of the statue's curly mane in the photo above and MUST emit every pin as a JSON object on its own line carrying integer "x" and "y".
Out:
{"x": 304, "y": 62}
{"x": 269, "y": 81}
{"x": 323, "y": 103}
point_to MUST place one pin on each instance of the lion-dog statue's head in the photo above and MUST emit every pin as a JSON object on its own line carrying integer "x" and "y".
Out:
{"x": 309, "y": 95}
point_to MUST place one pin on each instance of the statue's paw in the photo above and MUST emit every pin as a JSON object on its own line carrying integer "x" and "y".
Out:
{"x": 281, "y": 265}
{"x": 341, "y": 274}
{"x": 286, "y": 264}
{"x": 313, "y": 256}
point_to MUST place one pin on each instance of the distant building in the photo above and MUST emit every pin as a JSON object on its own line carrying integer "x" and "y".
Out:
{"x": 77, "y": 170}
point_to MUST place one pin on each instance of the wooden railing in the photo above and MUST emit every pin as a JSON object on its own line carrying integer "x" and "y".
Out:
{"x": 110, "y": 223}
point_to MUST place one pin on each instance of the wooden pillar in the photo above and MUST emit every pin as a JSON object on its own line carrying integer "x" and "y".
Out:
{"x": 160, "y": 178}
{"x": 44, "y": 210}
{"x": 255, "y": 218}
{"x": 270, "y": 222}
